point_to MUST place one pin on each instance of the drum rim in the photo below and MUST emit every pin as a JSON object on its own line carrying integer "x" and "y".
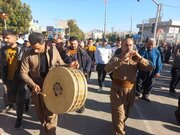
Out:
{"x": 72, "y": 72}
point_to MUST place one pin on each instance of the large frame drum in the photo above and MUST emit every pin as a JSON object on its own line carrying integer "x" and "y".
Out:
{"x": 65, "y": 89}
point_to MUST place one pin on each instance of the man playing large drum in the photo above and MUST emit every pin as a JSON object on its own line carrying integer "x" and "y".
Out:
{"x": 34, "y": 68}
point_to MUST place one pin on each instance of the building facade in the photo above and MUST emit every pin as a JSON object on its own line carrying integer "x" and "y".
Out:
{"x": 168, "y": 31}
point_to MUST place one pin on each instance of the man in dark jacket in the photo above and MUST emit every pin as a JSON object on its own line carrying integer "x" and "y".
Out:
{"x": 175, "y": 71}
{"x": 77, "y": 54}
{"x": 14, "y": 92}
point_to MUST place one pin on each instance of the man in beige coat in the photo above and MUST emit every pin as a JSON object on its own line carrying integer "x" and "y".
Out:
{"x": 36, "y": 64}
{"x": 124, "y": 67}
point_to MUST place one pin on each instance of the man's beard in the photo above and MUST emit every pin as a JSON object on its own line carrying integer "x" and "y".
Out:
{"x": 9, "y": 44}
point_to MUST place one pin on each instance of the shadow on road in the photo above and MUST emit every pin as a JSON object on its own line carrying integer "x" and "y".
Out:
{"x": 172, "y": 128}
{"x": 133, "y": 131}
{"x": 107, "y": 82}
{"x": 8, "y": 121}
{"x": 98, "y": 106}
{"x": 96, "y": 91}
{"x": 85, "y": 125}
{"x": 159, "y": 111}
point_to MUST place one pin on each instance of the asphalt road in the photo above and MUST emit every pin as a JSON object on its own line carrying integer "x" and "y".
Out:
{"x": 146, "y": 118}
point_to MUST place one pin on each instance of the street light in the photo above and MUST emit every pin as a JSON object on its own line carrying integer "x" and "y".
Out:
{"x": 157, "y": 17}
{"x": 3, "y": 16}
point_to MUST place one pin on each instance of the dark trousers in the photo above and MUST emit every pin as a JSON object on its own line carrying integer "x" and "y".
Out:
{"x": 145, "y": 81}
{"x": 167, "y": 57}
{"x": 93, "y": 68}
{"x": 10, "y": 90}
{"x": 15, "y": 93}
{"x": 175, "y": 78}
{"x": 111, "y": 74}
{"x": 179, "y": 103}
{"x": 20, "y": 101}
{"x": 101, "y": 73}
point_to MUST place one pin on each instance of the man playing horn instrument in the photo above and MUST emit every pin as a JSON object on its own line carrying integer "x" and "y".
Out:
{"x": 124, "y": 67}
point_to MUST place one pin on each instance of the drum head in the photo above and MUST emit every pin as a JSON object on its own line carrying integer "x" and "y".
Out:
{"x": 59, "y": 88}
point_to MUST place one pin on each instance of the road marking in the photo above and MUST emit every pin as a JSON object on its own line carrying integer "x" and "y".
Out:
{"x": 143, "y": 119}
{"x": 164, "y": 88}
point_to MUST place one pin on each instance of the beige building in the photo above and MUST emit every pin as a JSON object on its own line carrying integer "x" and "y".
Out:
{"x": 166, "y": 30}
{"x": 34, "y": 26}
{"x": 95, "y": 34}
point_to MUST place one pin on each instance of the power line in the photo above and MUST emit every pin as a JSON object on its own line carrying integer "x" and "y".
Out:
{"x": 171, "y": 6}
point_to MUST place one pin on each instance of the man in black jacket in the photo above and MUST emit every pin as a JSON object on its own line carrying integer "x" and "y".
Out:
{"x": 14, "y": 92}
{"x": 77, "y": 54}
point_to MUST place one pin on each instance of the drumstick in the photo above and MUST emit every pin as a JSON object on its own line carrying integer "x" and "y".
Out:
{"x": 44, "y": 95}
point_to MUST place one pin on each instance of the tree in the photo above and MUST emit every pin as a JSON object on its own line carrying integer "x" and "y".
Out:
{"x": 19, "y": 15}
{"x": 112, "y": 36}
{"x": 75, "y": 30}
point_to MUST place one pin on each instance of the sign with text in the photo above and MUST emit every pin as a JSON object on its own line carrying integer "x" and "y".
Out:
{"x": 50, "y": 28}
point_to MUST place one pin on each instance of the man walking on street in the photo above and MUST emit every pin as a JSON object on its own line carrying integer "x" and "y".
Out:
{"x": 102, "y": 55}
{"x": 145, "y": 79}
{"x": 124, "y": 67}
{"x": 175, "y": 71}
{"x": 74, "y": 53}
{"x": 36, "y": 64}
{"x": 14, "y": 91}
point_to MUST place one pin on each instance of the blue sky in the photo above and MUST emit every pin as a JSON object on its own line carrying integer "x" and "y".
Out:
{"x": 89, "y": 14}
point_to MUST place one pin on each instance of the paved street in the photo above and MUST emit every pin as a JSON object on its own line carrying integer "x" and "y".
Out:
{"x": 154, "y": 118}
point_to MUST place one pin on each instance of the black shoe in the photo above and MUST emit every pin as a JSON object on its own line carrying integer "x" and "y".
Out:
{"x": 146, "y": 98}
{"x": 173, "y": 93}
{"x": 26, "y": 107}
{"x": 8, "y": 108}
{"x": 18, "y": 124}
{"x": 81, "y": 110}
{"x": 137, "y": 96}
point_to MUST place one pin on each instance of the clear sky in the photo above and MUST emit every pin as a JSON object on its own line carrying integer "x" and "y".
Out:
{"x": 89, "y": 14}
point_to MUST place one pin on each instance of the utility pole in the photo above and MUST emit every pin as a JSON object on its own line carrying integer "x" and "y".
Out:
{"x": 105, "y": 18}
{"x": 131, "y": 26}
{"x": 112, "y": 30}
{"x": 142, "y": 31}
{"x": 157, "y": 18}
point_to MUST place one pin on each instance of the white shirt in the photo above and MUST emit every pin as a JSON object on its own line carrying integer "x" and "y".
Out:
{"x": 103, "y": 54}
{"x": 114, "y": 49}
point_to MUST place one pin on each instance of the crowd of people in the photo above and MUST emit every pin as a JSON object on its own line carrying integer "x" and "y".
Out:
{"x": 25, "y": 62}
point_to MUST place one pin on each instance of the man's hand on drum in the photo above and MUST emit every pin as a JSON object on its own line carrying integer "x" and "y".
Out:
{"x": 36, "y": 89}
{"x": 74, "y": 64}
